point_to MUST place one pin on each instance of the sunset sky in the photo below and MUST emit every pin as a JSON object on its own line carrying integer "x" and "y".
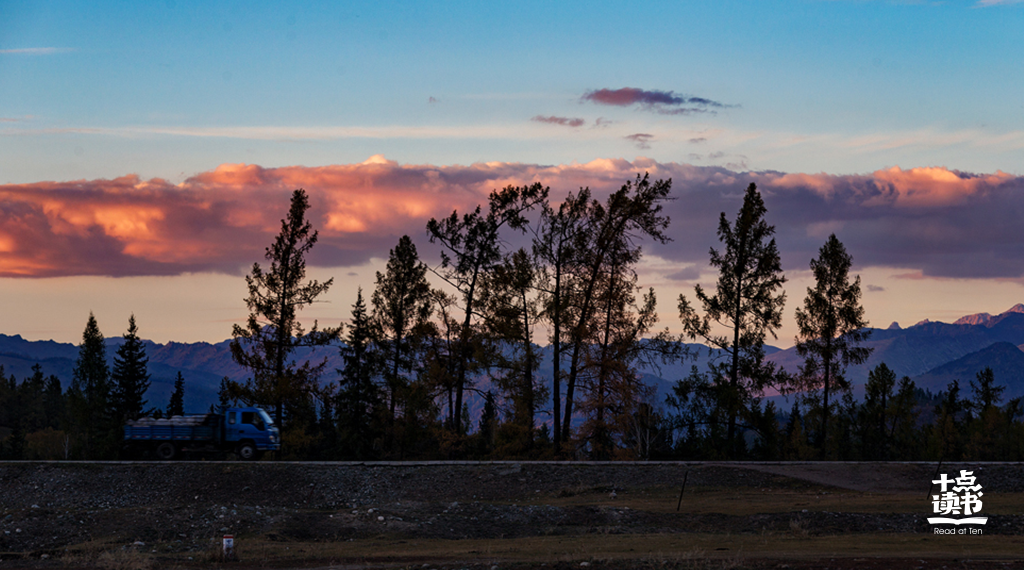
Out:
{"x": 148, "y": 149}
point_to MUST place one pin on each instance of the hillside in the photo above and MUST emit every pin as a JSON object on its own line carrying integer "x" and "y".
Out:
{"x": 917, "y": 350}
{"x": 1005, "y": 360}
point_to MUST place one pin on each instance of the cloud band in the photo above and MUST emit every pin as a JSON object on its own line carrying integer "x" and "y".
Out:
{"x": 941, "y": 222}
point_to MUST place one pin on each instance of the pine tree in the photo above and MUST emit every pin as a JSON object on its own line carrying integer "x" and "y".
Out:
{"x": 176, "y": 407}
{"x": 748, "y": 302}
{"x": 358, "y": 396}
{"x": 952, "y": 415}
{"x": 986, "y": 429}
{"x": 272, "y": 332}
{"x": 224, "y": 393}
{"x": 876, "y": 413}
{"x": 89, "y": 397}
{"x": 831, "y": 326}
{"x": 488, "y": 424}
{"x": 401, "y": 310}
{"x": 54, "y": 403}
{"x": 130, "y": 376}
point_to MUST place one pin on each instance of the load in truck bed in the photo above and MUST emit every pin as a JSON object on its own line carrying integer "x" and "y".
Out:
{"x": 177, "y": 428}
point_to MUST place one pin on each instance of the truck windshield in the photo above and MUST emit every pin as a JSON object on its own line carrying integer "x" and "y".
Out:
{"x": 266, "y": 418}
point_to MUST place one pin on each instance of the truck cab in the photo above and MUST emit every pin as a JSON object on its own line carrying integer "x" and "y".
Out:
{"x": 252, "y": 431}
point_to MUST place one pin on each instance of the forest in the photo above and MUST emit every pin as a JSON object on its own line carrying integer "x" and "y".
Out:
{"x": 414, "y": 354}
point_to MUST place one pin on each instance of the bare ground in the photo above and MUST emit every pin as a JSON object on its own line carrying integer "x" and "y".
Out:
{"x": 606, "y": 515}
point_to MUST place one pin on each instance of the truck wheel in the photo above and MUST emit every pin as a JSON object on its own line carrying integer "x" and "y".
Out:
{"x": 166, "y": 451}
{"x": 247, "y": 452}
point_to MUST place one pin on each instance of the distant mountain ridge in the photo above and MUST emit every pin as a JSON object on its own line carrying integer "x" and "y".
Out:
{"x": 931, "y": 351}
{"x": 1005, "y": 360}
{"x": 915, "y": 351}
{"x": 987, "y": 319}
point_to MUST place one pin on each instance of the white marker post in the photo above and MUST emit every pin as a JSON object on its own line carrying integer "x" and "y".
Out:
{"x": 229, "y": 547}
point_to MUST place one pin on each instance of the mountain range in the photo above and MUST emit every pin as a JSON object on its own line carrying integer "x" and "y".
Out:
{"x": 932, "y": 353}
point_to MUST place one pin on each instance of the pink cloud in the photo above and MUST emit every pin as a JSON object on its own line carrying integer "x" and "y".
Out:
{"x": 937, "y": 221}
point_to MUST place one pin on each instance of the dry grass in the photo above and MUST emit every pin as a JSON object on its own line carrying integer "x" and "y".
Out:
{"x": 728, "y": 549}
{"x": 708, "y": 500}
{"x": 115, "y": 558}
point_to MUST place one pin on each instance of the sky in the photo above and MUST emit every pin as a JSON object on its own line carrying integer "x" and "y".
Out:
{"x": 148, "y": 149}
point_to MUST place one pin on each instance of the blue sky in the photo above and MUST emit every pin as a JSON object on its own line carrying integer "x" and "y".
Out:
{"x": 836, "y": 93}
{"x": 837, "y": 86}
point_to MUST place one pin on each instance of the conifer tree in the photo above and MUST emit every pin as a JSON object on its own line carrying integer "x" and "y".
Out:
{"x": 748, "y": 302}
{"x": 358, "y": 396}
{"x": 89, "y": 397}
{"x": 952, "y": 415}
{"x": 510, "y": 309}
{"x": 401, "y": 310}
{"x": 876, "y": 413}
{"x": 831, "y": 327}
{"x": 609, "y": 245}
{"x": 264, "y": 345}
{"x": 54, "y": 404}
{"x": 176, "y": 407}
{"x": 224, "y": 393}
{"x": 471, "y": 246}
{"x": 561, "y": 236}
{"x": 130, "y": 376}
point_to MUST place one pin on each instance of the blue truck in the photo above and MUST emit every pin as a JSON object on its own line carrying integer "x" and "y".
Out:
{"x": 246, "y": 432}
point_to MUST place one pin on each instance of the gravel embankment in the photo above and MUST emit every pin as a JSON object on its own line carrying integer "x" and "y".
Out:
{"x": 49, "y": 506}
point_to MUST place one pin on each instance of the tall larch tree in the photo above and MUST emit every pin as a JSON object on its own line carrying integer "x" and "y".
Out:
{"x": 747, "y": 303}
{"x": 561, "y": 235}
{"x": 471, "y": 246}
{"x": 831, "y": 328}
{"x": 264, "y": 345}
{"x": 628, "y": 215}
{"x": 130, "y": 375}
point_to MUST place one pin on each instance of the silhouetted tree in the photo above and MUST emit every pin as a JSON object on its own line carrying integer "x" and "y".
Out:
{"x": 831, "y": 326}
{"x": 510, "y": 308}
{"x": 987, "y": 427}
{"x": 471, "y": 246}
{"x": 952, "y": 413}
{"x": 611, "y": 238}
{"x": 561, "y": 235}
{"x": 130, "y": 376}
{"x": 176, "y": 407}
{"x": 54, "y": 403}
{"x": 89, "y": 397}
{"x": 748, "y": 302}
{"x": 265, "y": 344}
{"x": 224, "y": 393}
{"x": 401, "y": 310}
{"x": 358, "y": 395}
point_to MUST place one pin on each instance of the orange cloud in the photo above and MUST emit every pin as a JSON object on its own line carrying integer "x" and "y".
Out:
{"x": 933, "y": 186}
{"x": 940, "y": 221}
{"x": 916, "y": 187}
